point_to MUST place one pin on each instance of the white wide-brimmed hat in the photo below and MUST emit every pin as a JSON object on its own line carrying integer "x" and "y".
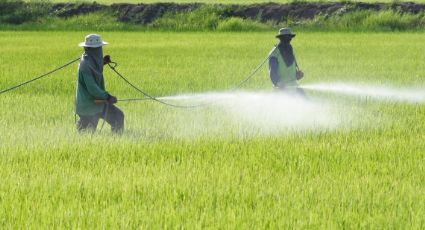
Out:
{"x": 285, "y": 31}
{"x": 93, "y": 41}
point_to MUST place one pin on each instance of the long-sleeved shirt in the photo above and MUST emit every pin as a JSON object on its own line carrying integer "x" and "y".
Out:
{"x": 273, "y": 71}
{"x": 89, "y": 88}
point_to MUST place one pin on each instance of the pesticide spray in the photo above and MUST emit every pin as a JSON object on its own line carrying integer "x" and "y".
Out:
{"x": 373, "y": 92}
{"x": 247, "y": 114}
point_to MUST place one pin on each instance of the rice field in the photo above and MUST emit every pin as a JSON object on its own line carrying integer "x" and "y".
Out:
{"x": 253, "y": 159}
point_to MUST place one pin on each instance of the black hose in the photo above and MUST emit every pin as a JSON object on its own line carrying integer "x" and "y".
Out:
{"x": 148, "y": 95}
{"x": 252, "y": 73}
{"x": 39, "y": 77}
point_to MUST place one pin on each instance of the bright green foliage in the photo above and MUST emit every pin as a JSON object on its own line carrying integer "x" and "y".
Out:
{"x": 209, "y": 17}
{"x": 205, "y": 18}
{"x": 196, "y": 168}
{"x": 239, "y": 25}
{"x": 393, "y": 21}
{"x": 366, "y": 20}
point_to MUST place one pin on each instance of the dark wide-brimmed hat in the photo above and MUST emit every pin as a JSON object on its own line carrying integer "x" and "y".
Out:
{"x": 285, "y": 31}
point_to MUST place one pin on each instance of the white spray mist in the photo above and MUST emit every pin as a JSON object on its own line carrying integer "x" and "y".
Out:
{"x": 258, "y": 113}
{"x": 375, "y": 92}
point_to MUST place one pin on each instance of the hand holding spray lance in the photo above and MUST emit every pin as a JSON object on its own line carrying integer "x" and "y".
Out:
{"x": 112, "y": 99}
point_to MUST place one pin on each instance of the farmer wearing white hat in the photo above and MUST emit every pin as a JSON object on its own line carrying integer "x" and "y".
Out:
{"x": 283, "y": 67}
{"x": 91, "y": 87}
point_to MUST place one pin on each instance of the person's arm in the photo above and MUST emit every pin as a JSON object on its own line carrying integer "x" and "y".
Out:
{"x": 93, "y": 88}
{"x": 299, "y": 74}
{"x": 273, "y": 67}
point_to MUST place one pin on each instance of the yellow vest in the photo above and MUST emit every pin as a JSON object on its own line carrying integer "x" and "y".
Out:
{"x": 287, "y": 74}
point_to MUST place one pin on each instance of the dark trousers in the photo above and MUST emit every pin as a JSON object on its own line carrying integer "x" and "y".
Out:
{"x": 111, "y": 114}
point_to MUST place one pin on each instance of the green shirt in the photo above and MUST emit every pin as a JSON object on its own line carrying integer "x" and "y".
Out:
{"x": 89, "y": 88}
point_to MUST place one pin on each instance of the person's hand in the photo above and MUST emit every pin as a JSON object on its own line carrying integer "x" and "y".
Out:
{"x": 106, "y": 59}
{"x": 112, "y": 99}
{"x": 299, "y": 74}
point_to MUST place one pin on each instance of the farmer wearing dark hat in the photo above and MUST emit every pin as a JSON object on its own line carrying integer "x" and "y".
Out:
{"x": 283, "y": 67}
{"x": 91, "y": 89}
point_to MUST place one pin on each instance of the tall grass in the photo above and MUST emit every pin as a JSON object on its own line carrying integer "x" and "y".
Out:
{"x": 367, "y": 20}
{"x": 205, "y": 18}
{"x": 38, "y": 16}
{"x": 241, "y": 25}
{"x": 242, "y": 2}
{"x": 86, "y": 22}
{"x": 17, "y": 12}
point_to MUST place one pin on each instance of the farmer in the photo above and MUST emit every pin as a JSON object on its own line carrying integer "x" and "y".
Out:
{"x": 283, "y": 67}
{"x": 93, "y": 101}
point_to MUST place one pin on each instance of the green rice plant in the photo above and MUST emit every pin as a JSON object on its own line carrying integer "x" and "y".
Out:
{"x": 207, "y": 168}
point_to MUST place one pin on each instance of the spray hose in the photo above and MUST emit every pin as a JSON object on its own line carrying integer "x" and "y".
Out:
{"x": 253, "y": 72}
{"x": 113, "y": 66}
{"x": 39, "y": 77}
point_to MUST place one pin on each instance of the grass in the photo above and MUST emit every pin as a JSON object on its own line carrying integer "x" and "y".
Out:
{"x": 198, "y": 168}
{"x": 204, "y": 20}
{"x": 387, "y": 20}
{"x": 223, "y": 1}
{"x": 40, "y": 16}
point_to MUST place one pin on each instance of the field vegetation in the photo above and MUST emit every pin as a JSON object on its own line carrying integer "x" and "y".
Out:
{"x": 225, "y": 1}
{"x": 208, "y": 167}
{"x": 347, "y": 16}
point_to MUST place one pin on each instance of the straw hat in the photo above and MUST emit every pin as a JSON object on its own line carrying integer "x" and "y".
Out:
{"x": 285, "y": 31}
{"x": 93, "y": 41}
